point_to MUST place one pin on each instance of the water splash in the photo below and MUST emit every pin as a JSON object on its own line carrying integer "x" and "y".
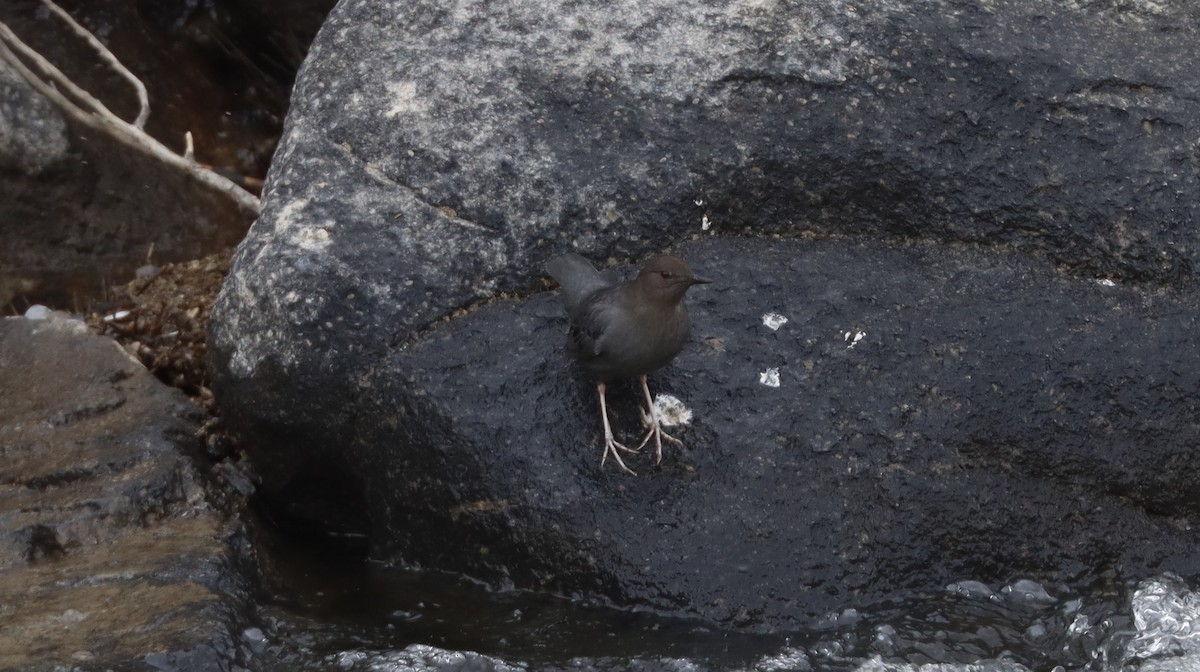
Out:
{"x": 1166, "y": 614}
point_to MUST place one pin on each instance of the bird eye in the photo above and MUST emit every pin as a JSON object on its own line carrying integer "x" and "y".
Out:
{"x": 667, "y": 275}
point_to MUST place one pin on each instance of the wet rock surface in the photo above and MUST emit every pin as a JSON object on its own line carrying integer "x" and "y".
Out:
{"x": 1003, "y": 413}
{"x": 113, "y": 552}
{"x": 995, "y": 418}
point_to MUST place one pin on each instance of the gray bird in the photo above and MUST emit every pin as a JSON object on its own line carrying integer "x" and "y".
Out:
{"x": 623, "y": 330}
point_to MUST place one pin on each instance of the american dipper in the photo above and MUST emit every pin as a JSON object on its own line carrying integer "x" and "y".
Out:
{"x": 622, "y": 330}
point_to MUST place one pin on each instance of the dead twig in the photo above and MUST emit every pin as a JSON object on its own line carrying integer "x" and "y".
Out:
{"x": 113, "y": 62}
{"x": 86, "y": 109}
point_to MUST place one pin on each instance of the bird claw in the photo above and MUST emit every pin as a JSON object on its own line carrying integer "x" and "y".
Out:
{"x": 621, "y": 446}
{"x": 656, "y": 432}
{"x": 611, "y": 447}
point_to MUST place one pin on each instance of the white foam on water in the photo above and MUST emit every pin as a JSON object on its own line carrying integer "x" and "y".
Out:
{"x": 1167, "y": 616}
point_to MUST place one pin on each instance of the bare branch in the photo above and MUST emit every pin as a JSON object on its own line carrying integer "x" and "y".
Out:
{"x": 143, "y": 98}
{"x": 53, "y": 74}
{"x": 94, "y": 114}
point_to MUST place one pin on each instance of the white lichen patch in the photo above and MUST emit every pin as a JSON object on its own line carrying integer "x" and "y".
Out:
{"x": 312, "y": 239}
{"x": 770, "y": 377}
{"x": 773, "y": 321}
{"x": 670, "y": 411}
{"x": 289, "y": 215}
{"x": 403, "y": 100}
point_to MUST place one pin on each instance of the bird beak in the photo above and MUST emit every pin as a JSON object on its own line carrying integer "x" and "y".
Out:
{"x": 697, "y": 280}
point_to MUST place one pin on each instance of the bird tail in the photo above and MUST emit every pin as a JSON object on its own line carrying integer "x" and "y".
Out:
{"x": 576, "y": 275}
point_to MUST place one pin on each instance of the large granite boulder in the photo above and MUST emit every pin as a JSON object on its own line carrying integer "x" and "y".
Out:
{"x": 114, "y": 552}
{"x": 943, "y": 183}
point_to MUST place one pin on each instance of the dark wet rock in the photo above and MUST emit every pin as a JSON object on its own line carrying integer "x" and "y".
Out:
{"x": 111, "y": 553}
{"x": 1004, "y": 413}
{"x": 996, "y": 418}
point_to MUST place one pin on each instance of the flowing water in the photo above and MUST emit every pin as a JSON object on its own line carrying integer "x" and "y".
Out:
{"x": 350, "y": 615}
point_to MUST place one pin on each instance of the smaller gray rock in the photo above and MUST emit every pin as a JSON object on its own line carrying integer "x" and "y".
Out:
{"x": 33, "y": 135}
{"x": 108, "y": 540}
{"x": 37, "y": 312}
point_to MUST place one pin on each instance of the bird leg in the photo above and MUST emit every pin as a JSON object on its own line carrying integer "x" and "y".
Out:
{"x": 650, "y": 420}
{"x": 610, "y": 444}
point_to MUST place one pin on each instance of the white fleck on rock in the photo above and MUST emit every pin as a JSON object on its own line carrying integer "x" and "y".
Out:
{"x": 117, "y": 316}
{"x": 670, "y": 411}
{"x": 313, "y": 239}
{"x": 773, "y": 321}
{"x": 853, "y": 337}
{"x": 1106, "y": 282}
{"x": 403, "y": 100}
{"x": 255, "y": 638}
{"x": 70, "y": 616}
{"x": 705, "y": 223}
{"x": 770, "y": 377}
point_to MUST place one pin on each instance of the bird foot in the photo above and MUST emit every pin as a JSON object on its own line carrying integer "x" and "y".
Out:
{"x": 650, "y": 421}
{"x": 611, "y": 446}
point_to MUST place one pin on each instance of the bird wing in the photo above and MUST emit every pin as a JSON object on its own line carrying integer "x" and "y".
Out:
{"x": 579, "y": 279}
{"x": 589, "y": 320}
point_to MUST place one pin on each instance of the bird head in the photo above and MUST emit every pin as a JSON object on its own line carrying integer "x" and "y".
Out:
{"x": 667, "y": 278}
